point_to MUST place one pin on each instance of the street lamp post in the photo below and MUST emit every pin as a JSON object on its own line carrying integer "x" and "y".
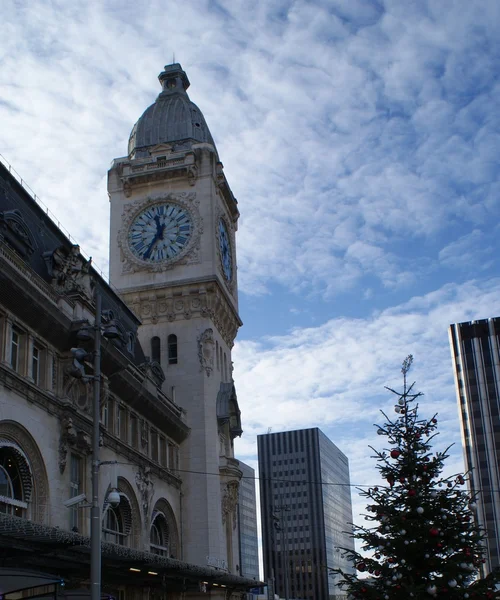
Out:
{"x": 110, "y": 331}
{"x": 95, "y": 515}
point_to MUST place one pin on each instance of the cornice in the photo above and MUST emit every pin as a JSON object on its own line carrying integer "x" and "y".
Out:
{"x": 134, "y": 174}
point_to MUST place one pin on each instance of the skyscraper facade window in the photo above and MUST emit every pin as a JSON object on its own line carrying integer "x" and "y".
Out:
{"x": 247, "y": 521}
{"x": 305, "y": 501}
{"x": 476, "y": 361}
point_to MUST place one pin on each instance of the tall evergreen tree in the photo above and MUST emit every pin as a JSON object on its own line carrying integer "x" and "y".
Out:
{"x": 424, "y": 541}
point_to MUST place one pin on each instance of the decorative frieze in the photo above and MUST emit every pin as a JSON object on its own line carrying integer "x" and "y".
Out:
{"x": 189, "y": 301}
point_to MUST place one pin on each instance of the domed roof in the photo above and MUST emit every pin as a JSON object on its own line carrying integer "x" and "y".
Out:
{"x": 172, "y": 118}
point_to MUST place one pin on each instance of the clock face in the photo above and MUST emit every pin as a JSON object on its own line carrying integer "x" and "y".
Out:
{"x": 160, "y": 232}
{"x": 225, "y": 251}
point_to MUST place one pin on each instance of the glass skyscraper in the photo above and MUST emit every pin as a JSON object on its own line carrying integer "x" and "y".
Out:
{"x": 476, "y": 360}
{"x": 247, "y": 519}
{"x": 305, "y": 501}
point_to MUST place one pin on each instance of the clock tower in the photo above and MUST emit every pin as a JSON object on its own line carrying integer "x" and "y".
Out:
{"x": 173, "y": 261}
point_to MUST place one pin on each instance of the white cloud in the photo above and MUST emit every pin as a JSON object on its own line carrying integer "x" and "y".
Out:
{"x": 337, "y": 125}
{"x": 333, "y": 376}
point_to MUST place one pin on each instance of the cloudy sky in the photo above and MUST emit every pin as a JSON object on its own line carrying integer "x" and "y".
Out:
{"x": 361, "y": 138}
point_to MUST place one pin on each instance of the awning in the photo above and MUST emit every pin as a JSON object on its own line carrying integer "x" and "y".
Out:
{"x": 17, "y": 580}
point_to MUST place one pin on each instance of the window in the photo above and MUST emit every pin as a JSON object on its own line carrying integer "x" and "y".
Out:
{"x": 75, "y": 489}
{"x": 123, "y": 424}
{"x": 15, "y": 349}
{"x": 14, "y": 476}
{"x": 159, "y": 535}
{"x": 163, "y": 451}
{"x": 130, "y": 342}
{"x": 113, "y": 527}
{"x": 117, "y": 522}
{"x": 156, "y": 349}
{"x": 154, "y": 445}
{"x": 118, "y": 424}
{"x": 105, "y": 414}
{"x": 35, "y": 364}
{"x": 172, "y": 349}
{"x": 172, "y": 456}
{"x": 217, "y": 355}
{"x": 134, "y": 431}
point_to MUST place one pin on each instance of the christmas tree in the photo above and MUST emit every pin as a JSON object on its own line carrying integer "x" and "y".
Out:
{"x": 423, "y": 540}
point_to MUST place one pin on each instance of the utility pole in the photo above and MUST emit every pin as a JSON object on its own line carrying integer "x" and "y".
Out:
{"x": 281, "y": 526}
{"x": 95, "y": 516}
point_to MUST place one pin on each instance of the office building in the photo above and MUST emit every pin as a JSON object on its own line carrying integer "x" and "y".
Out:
{"x": 305, "y": 501}
{"x": 247, "y": 521}
{"x": 476, "y": 361}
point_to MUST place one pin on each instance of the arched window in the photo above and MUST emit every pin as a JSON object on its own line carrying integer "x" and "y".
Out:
{"x": 15, "y": 480}
{"x": 159, "y": 536}
{"x": 217, "y": 354}
{"x": 130, "y": 342}
{"x": 117, "y": 521}
{"x": 163, "y": 535}
{"x": 113, "y": 526}
{"x": 172, "y": 349}
{"x": 155, "y": 349}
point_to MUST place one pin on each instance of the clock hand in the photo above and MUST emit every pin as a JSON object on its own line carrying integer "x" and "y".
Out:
{"x": 150, "y": 248}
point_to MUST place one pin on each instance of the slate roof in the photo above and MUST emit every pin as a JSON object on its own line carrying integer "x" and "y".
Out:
{"x": 172, "y": 118}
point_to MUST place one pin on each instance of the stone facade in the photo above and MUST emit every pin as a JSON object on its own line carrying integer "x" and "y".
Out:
{"x": 168, "y": 407}
{"x": 188, "y": 296}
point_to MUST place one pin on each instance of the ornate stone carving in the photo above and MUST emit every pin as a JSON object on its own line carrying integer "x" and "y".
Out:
{"x": 14, "y": 229}
{"x": 145, "y": 485}
{"x": 77, "y": 392}
{"x": 230, "y": 496}
{"x": 67, "y": 437}
{"x": 71, "y": 437}
{"x": 206, "y": 350}
{"x": 70, "y": 272}
{"x": 153, "y": 370}
{"x": 190, "y": 254}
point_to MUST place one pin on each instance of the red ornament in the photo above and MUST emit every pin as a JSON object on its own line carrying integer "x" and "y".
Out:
{"x": 395, "y": 453}
{"x": 434, "y": 421}
{"x": 411, "y": 492}
{"x": 361, "y": 567}
{"x": 434, "y": 531}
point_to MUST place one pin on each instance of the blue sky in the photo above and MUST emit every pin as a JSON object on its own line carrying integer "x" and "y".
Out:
{"x": 362, "y": 140}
